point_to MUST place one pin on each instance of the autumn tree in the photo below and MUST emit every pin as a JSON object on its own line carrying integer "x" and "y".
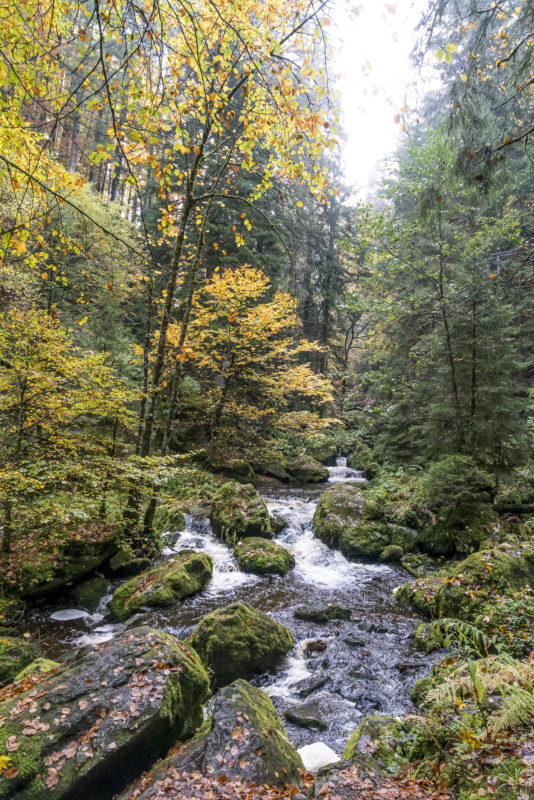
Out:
{"x": 245, "y": 350}
{"x": 60, "y": 411}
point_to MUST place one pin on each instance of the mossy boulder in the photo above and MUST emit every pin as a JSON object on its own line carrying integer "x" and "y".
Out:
{"x": 306, "y": 469}
{"x": 108, "y": 714}
{"x": 244, "y": 739}
{"x": 238, "y": 641}
{"x": 428, "y": 638}
{"x": 169, "y": 517}
{"x": 392, "y": 553}
{"x": 15, "y": 654}
{"x": 125, "y": 563}
{"x": 37, "y": 667}
{"x": 471, "y": 582}
{"x": 361, "y": 458}
{"x": 165, "y": 585}
{"x": 374, "y": 744}
{"x": 237, "y": 511}
{"x": 263, "y": 557}
{"x": 353, "y": 521}
{"x": 274, "y": 470}
{"x": 322, "y": 450}
{"x": 53, "y": 567}
{"x": 88, "y": 594}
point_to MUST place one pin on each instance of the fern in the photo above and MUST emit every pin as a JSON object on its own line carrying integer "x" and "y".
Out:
{"x": 516, "y": 710}
{"x": 496, "y": 673}
{"x": 465, "y": 636}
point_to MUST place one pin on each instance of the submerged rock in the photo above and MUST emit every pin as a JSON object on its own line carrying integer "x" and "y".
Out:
{"x": 237, "y": 511}
{"x": 471, "y": 582}
{"x": 308, "y": 686}
{"x": 322, "y": 612}
{"x": 166, "y": 584}
{"x": 263, "y": 557}
{"x": 238, "y": 641}
{"x": 15, "y": 655}
{"x": 306, "y": 469}
{"x": 306, "y": 715}
{"x": 244, "y": 739}
{"x": 112, "y": 710}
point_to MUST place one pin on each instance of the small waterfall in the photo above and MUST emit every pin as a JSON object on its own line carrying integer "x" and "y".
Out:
{"x": 343, "y": 474}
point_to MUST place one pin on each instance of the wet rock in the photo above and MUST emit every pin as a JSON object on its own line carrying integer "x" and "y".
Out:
{"x": 165, "y": 585}
{"x": 15, "y": 655}
{"x": 125, "y": 563}
{"x": 307, "y": 715}
{"x": 263, "y": 557}
{"x": 88, "y": 594}
{"x": 276, "y": 471}
{"x": 245, "y": 739}
{"x": 306, "y": 469}
{"x": 409, "y": 666}
{"x": 112, "y": 710}
{"x": 277, "y": 524}
{"x": 54, "y": 567}
{"x": 315, "y": 646}
{"x": 237, "y": 511}
{"x": 354, "y": 641}
{"x": 238, "y": 641}
{"x": 470, "y": 582}
{"x": 362, "y": 673}
{"x": 309, "y": 685}
{"x": 322, "y": 612}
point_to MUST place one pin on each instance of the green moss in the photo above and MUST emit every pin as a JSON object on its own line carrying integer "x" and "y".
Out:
{"x": 166, "y": 584}
{"x": 89, "y": 593}
{"x": 306, "y": 469}
{"x": 237, "y": 641}
{"x": 169, "y": 517}
{"x": 361, "y": 458}
{"x": 427, "y": 638}
{"x": 237, "y": 511}
{"x": 322, "y": 450}
{"x": 15, "y": 654}
{"x": 263, "y": 557}
{"x": 375, "y": 744}
{"x": 338, "y": 509}
{"x": 125, "y": 563}
{"x": 40, "y": 665}
{"x": 471, "y": 582}
{"x": 392, "y": 553}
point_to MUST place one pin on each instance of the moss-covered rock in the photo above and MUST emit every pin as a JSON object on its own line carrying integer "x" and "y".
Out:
{"x": 169, "y": 517}
{"x": 103, "y": 718}
{"x": 15, "y": 654}
{"x": 237, "y": 511}
{"x": 54, "y": 567}
{"x": 428, "y": 638}
{"x": 375, "y": 744}
{"x": 165, "y": 585}
{"x": 238, "y": 641}
{"x": 244, "y": 739}
{"x": 37, "y": 667}
{"x": 125, "y": 563}
{"x": 361, "y": 458}
{"x": 323, "y": 450}
{"x": 306, "y": 469}
{"x": 263, "y": 557}
{"x": 88, "y": 594}
{"x": 392, "y": 553}
{"x": 471, "y": 582}
{"x": 277, "y": 524}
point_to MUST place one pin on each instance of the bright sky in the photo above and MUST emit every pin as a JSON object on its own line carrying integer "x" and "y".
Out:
{"x": 376, "y": 78}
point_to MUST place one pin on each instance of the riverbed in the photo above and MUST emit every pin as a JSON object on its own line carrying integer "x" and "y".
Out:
{"x": 362, "y": 665}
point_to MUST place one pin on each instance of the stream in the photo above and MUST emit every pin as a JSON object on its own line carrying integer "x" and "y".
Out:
{"x": 365, "y": 664}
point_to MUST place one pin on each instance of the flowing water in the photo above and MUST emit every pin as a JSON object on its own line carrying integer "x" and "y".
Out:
{"x": 364, "y": 664}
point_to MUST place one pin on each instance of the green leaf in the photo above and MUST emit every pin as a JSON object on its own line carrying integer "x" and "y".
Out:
{"x": 451, "y": 48}
{"x": 439, "y": 54}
